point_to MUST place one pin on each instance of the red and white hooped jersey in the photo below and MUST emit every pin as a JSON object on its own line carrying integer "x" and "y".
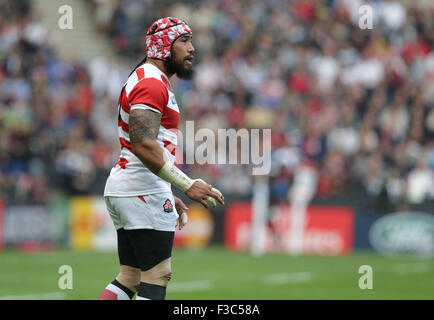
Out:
{"x": 146, "y": 88}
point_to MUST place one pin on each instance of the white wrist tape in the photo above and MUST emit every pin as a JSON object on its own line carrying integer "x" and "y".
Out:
{"x": 172, "y": 174}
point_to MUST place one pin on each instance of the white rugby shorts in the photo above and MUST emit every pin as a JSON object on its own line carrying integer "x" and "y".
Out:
{"x": 154, "y": 211}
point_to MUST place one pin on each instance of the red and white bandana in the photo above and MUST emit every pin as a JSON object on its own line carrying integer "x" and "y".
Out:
{"x": 162, "y": 34}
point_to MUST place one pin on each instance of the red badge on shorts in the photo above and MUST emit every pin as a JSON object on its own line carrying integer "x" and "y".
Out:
{"x": 167, "y": 206}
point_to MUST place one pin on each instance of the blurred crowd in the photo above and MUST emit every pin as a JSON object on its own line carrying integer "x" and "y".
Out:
{"x": 50, "y": 143}
{"x": 356, "y": 105}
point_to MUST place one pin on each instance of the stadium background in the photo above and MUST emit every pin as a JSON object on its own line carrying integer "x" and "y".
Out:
{"x": 356, "y": 105}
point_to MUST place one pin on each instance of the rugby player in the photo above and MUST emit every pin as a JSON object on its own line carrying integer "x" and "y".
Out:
{"x": 138, "y": 192}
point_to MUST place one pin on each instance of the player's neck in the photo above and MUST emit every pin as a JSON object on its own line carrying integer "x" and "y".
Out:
{"x": 160, "y": 65}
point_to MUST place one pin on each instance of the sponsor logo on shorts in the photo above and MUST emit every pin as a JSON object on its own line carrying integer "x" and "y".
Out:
{"x": 167, "y": 206}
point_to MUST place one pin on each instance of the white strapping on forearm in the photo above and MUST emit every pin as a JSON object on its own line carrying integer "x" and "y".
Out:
{"x": 172, "y": 174}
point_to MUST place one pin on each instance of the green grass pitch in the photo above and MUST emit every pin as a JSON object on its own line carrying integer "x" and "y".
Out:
{"x": 215, "y": 273}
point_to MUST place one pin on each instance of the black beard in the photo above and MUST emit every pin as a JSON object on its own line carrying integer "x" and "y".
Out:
{"x": 174, "y": 67}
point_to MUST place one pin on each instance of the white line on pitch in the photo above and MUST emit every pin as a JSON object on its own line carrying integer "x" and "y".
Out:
{"x": 286, "y": 278}
{"x": 36, "y": 296}
{"x": 412, "y": 268}
{"x": 189, "y": 286}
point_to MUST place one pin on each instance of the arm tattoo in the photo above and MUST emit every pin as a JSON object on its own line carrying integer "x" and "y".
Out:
{"x": 144, "y": 125}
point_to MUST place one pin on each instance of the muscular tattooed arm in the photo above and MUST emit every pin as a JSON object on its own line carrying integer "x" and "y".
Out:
{"x": 143, "y": 130}
{"x": 144, "y": 126}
